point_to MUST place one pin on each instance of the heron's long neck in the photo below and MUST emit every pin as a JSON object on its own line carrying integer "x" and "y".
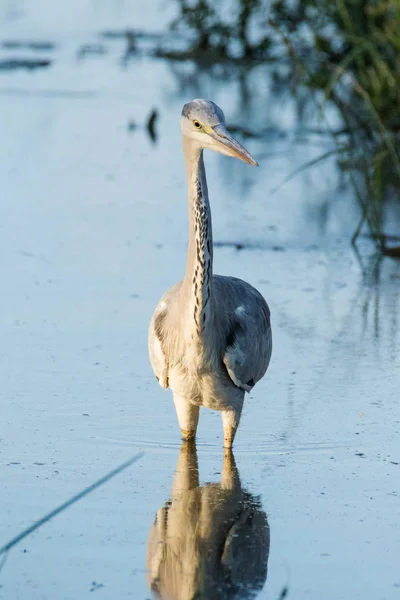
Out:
{"x": 198, "y": 278}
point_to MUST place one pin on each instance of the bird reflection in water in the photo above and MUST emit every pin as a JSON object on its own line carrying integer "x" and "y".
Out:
{"x": 209, "y": 542}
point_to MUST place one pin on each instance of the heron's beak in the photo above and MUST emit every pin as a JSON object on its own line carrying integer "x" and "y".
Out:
{"x": 228, "y": 145}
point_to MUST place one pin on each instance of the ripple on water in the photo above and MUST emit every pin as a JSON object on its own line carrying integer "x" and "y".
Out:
{"x": 249, "y": 447}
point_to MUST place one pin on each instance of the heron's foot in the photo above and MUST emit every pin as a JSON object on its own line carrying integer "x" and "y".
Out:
{"x": 188, "y": 435}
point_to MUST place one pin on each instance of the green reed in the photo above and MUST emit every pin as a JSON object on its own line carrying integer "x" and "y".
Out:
{"x": 347, "y": 53}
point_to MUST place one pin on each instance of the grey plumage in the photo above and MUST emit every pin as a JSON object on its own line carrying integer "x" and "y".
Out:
{"x": 210, "y": 336}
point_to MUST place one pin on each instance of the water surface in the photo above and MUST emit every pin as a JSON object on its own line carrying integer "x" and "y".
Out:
{"x": 93, "y": 229}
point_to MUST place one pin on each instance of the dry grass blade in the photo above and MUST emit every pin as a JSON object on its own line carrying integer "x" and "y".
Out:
{"x": 306, "y": 166}
{"x": 4, "y": 549}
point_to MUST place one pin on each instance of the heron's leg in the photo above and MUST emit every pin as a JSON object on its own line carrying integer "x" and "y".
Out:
{"x": 187, "y": 470}
{"x": 188, "y": 417}
{"x": 230, "y": 479}
{"x": 230, "y": 422}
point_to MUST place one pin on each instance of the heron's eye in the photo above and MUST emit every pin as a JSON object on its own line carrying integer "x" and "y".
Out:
{"x": 197, "y": 124}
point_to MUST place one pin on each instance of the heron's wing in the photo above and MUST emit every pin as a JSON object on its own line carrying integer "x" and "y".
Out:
{"x": 249, "y": 344}
{"x": 156, "y": 352}
{"x": 246, "y": 549}
{"x": 158, "y": 337}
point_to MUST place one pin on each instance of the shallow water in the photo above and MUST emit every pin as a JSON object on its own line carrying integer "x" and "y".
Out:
{"x": 93, "y": 229}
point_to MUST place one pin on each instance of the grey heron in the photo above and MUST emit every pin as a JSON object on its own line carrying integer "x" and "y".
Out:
{"x": 210, "y": 336}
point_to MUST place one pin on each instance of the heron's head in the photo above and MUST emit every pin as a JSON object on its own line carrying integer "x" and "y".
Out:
{"x": 204, "y": 122}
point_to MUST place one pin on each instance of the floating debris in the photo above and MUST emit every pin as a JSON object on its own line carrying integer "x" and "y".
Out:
{"x": 96, "y": 586}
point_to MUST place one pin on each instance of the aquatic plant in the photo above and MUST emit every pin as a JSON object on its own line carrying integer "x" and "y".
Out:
{"x": 350, "y": 50}
{"x": 345, "y": 52}
{"x": 227, "y": 30}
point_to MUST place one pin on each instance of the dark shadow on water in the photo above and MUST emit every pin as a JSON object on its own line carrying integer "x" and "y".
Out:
{"x": 36, "y": 46}
{"x": 208, "y": 542}
{"x": 13, "y": 64}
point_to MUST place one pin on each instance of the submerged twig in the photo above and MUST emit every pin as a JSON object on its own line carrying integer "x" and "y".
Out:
{"x": 4, "y": 549}
{"x": 151, "y": 125}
